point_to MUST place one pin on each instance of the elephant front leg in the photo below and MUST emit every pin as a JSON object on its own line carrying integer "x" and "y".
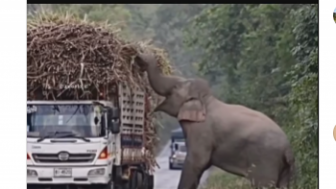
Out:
{"x": 194, "y": 166}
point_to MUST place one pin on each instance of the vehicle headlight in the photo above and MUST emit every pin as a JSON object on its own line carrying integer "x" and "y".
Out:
{"x": 174, "y": 156}
{"x": 96, "y": 172}
{"x": 31, "y": 173}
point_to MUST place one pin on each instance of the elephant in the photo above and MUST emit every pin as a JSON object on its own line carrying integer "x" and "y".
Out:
{"x": 234, "y": 138}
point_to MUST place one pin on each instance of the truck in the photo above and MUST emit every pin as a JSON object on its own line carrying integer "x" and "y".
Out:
{"x": 178, "y": 149}
{"x": 91, "y": 143}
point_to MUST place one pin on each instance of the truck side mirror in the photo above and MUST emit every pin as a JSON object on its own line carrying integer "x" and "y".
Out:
{"x": 114, "y": 127}
{"x": 176, "y": 146}
{"x": 113, "y": 115}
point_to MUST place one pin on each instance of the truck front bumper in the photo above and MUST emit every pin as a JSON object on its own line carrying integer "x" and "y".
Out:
{"x": 80, "y": 175}
{"x": 176, "y": 163}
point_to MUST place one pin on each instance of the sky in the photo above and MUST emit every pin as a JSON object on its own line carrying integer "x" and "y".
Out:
{"x": 335, "y": 10}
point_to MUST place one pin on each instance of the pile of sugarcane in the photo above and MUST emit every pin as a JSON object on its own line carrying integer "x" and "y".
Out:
{"x": 63, "y": 50}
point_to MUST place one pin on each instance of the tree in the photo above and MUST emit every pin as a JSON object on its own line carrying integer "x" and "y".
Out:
{"x": 170, "y": 21}
{"x": 245, "y": 52}
{"x": 304, "y": 94}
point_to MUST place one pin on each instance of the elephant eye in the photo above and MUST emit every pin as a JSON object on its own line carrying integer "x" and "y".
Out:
{"x": 176, "y": 87}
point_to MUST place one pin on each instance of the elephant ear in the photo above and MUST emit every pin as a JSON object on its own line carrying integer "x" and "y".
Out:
{"x": 192, "y": 110}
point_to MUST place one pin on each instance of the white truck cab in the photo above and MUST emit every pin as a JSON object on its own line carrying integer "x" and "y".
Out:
{"x": 86, "y": 143}
{"x": 66, "y": 145}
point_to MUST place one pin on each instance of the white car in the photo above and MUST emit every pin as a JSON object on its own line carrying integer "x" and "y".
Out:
{"x": 176, "y": 161}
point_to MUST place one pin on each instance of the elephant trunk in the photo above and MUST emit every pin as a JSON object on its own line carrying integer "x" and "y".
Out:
{"x": 160, "y": 83}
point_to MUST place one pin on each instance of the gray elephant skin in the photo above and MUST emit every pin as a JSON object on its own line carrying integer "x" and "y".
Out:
{"x": 236, "y": 139}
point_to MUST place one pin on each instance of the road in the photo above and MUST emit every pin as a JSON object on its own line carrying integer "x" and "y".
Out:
{"x": 165, "y": 178}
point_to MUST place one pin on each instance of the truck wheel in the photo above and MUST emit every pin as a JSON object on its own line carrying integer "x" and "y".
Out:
{"x": 148, "y": 182}
{"x": 139, "y": 180}
{"x": 122, "y": 185}
{"x": 109, "y": 186}
{"x": 150, "y": 179}
{"x": 136, "y": 181}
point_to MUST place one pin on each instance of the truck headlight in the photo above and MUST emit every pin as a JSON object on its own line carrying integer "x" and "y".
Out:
{"x": 96, "y": 172}
{"x": 31, "y": 173}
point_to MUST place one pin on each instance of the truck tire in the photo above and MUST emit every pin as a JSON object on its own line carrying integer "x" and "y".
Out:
{"x": 109, "y": 186}
{"x": 138, "y": 180}
{"x": 122, "y": 185}
{"x": 135, "y": 181}
{"x": 150, "y": 182}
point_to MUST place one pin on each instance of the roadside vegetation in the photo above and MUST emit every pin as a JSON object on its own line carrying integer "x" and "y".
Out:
{"x": 219, "y": 179}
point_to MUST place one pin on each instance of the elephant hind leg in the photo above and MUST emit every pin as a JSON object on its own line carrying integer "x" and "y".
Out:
{"x": 288, "y": 170}
{"x": 284, "y": 178}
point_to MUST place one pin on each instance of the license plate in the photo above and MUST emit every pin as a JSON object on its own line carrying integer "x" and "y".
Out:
{"x": 62, "y": 172}
{"x": 180, "y": 161}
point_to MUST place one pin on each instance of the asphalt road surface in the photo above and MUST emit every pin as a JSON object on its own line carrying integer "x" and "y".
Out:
{"x": 165, "y": 178}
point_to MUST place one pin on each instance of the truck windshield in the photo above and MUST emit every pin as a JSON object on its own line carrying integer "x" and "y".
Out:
{"x": 182, "y": 148}
{"x": 82, "y": 120}
{"x": 178, "y": 139}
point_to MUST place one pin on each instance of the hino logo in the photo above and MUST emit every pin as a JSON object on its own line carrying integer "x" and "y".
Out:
{"x": 63, "y": 156}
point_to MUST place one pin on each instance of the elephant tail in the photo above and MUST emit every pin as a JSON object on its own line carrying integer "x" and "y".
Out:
{"x": 290, "y": 160}
{"x": 288, "y": 172}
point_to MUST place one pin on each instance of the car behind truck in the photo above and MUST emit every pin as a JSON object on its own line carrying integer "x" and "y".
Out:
{"x": 88, "y": 143}
{"x": 178, "y": 149}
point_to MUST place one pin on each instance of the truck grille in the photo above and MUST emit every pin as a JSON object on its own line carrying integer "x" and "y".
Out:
{"x": 73, "y": 158}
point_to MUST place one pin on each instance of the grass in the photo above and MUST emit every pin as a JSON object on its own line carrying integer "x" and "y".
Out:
{"x": 219, "y": 179}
